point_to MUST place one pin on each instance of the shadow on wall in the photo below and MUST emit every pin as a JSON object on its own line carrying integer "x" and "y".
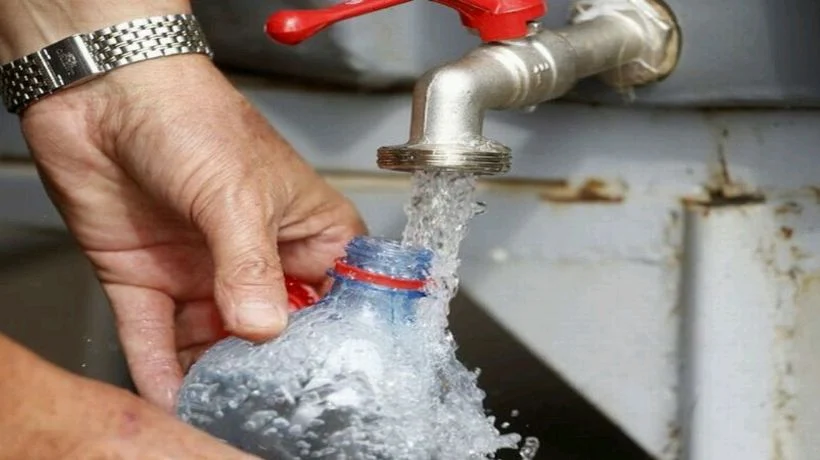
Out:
{"x": 52, "y": 303}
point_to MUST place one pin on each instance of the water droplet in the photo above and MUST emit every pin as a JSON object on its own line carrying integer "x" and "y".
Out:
{"x": 280, "y": 423}
{"x": 530, "y": 448}
{"x": 295, "y": 431}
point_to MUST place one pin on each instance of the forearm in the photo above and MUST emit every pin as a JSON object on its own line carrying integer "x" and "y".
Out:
{"x": 19, "y": 365}
{"x": 28, "y": 25}
{"x": 25, "y": 391}
{"x": 41, "y": 406}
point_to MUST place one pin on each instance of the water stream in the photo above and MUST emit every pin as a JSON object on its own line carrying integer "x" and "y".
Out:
{"x": 441, "y": 207}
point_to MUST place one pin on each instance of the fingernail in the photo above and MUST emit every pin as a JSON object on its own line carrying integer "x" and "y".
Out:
{"x": 259, "y": 315}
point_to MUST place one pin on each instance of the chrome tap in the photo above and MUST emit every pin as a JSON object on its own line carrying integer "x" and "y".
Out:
{"x": 626, "y": 43}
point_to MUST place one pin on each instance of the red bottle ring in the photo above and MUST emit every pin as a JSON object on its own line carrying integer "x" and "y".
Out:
{"x": 357, "y": 274}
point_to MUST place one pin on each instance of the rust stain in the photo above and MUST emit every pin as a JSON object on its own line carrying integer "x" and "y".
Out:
{"x": 722, "y": 189}
{"x": 553, "y": 190}
{"x": 592, "y": 190}
{"x": 725, "y": 178}
{"x": 807, "y": 287}
{"x": 511, "y": 183}
{"x": 816, "y": 191}
{"x": 778, "y": 449}
{"x": 402, "y": 180}
{"x": 789, "y": 207}
{"x": 718, "y": 199}
{"x": 673, "y": 445}
{"x": 786, "y": 232}
{"x": 784, "y": 333}
{"x": 799, "y": 254}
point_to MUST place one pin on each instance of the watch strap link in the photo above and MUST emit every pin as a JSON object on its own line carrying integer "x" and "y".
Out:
{"x": 81, "y": 57}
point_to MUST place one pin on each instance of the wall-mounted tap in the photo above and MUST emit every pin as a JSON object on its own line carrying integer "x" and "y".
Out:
{"x": 625, "y": 42}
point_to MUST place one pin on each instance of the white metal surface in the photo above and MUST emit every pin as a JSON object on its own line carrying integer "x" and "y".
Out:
{"x": 737, "y": 395}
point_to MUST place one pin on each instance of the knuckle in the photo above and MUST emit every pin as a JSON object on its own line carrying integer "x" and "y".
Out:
{"x": 208, "y": 196}
{"x": 142, "y": 324}
{"x": 255, "y": 269}
{"x": 235, "y": 200}
{"x": 152, "y": 366}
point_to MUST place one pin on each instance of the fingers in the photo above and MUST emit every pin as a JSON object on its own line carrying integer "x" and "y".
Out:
{"x": 198, "y": 323}
{"x": 198, "y": 327}
{"x": 249, "y": 284}
{"x": 309, "y": 247}
{"x": 145, "y": 321}
{"x": 190, "y": 355}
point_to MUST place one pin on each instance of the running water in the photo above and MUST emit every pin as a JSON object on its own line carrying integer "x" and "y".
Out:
{"x": 441, "y": 206}
{"x": 346, "y": 386}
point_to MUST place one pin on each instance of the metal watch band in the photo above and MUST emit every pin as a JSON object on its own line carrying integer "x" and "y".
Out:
{"x": 81, "y": 57}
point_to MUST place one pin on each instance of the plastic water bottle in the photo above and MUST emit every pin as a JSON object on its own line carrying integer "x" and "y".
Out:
{"x": 328, "y": 387}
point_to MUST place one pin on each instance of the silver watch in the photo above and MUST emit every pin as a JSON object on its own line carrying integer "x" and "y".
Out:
{"x": 81, "y": 57}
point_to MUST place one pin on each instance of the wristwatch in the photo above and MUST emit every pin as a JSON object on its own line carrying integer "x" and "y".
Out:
{"x": 79, "y": 58}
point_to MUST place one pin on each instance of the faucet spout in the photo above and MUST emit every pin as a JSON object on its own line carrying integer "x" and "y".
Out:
{"x": 449, "y": 102}
{"x": 448, "y": 118}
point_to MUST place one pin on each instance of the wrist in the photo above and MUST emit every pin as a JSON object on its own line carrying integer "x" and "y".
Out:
{"x": 28, "y": 25}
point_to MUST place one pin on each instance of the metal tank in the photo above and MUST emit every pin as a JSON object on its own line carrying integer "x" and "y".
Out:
{"x": 653, "y": 224}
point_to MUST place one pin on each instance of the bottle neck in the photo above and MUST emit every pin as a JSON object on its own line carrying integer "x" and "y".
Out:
{"x": 396, "y": 306}
{"x": 383, "y": 276}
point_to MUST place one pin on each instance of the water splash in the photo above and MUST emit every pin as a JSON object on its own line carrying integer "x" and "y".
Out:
{"x": 441, "y": 206}
{"x": 530, "y": 448}
{"x": 438, "y": 215}
{"x": 344, "y": 386}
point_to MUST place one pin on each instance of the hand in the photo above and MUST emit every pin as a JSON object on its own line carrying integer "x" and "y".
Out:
{"x": 178, "y": 191}
{"x": 49, "y": 413}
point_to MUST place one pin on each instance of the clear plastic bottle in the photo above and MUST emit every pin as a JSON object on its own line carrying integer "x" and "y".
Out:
{"x": 327, "y": 386}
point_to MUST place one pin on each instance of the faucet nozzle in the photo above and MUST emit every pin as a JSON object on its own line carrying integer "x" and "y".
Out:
{"x": 484, "y": 157}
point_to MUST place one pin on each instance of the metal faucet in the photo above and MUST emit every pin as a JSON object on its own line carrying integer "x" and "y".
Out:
{"x": 626, "y": 43}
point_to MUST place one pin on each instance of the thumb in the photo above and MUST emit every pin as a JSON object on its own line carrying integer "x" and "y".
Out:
{"x": 249, "y": 287}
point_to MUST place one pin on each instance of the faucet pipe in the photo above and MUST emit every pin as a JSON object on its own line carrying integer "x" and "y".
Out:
{"x": 449, "y": 102}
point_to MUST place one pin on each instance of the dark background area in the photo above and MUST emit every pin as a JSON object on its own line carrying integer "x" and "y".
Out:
{"x": 567, "y": 426}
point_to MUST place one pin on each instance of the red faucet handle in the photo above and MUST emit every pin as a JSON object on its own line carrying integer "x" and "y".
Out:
{"x": 292, "y": 27}
{"x": 497, "y": 20}
{"x": 493, "y": 19}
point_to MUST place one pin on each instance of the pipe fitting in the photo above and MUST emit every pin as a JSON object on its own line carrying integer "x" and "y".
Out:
{"x": 617, "y": 40}
{"x": 660, "y": 44}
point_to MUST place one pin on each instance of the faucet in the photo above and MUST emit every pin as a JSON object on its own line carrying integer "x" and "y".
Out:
{"x": 520, "y": 64}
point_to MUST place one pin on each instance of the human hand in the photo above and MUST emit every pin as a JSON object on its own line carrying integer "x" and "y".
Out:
{"x": 49, "y": 413}
{"x": 178, "y": 191}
